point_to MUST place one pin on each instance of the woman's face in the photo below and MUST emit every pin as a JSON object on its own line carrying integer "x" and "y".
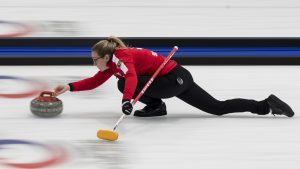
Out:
{"x": 101, "y": 63}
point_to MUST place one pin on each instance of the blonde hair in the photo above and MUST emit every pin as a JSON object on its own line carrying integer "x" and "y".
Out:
{"x": 108, "y": 46}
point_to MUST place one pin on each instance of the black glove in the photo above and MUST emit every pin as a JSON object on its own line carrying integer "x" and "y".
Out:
{"x": 126, "y": 107}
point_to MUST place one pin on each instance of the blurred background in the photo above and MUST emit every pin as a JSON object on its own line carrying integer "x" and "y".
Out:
{"x": 156, "y": 18}
{"x": 259, "y": 32}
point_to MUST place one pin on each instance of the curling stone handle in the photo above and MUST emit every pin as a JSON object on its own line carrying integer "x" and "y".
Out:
{"x": 51, "y": 94}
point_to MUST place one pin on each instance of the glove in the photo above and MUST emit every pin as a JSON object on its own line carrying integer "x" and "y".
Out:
{"x": 126, "y": 107}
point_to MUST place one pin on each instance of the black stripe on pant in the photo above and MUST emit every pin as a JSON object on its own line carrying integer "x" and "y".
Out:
{"x": 179, "y": 82}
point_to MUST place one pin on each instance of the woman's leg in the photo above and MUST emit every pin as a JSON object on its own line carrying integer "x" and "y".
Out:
{"x": 165, "y": 86}
{"x": 200, "y": 99}
{"x": 154, "y": 106}
{"x": 179, "y": 82}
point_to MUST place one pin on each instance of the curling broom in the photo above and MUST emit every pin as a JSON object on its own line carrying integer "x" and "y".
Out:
{"x": 112, "y": 135}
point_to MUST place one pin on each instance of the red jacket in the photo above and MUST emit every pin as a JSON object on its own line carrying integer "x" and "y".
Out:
{"x": 128, "y": 63}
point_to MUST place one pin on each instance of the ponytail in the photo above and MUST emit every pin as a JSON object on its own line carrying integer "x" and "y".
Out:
{"x": 108, "y": 46}
{"x": 117, "y": 40}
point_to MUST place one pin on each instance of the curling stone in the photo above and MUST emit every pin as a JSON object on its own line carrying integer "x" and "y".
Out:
{"x": 46, "y": 105}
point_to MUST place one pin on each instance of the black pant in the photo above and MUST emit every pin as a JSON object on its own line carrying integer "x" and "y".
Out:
{"x": 179, "y": 82}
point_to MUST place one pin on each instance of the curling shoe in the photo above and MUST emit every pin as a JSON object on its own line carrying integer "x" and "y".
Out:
{"x": 279, "y": 107}
{"x": 152, "y": 110}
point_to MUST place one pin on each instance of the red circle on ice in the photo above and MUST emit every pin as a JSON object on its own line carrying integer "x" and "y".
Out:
{"x": 57, "y": 155}
{"x": 20, "y": 29}
{"x": 36, "y": 87}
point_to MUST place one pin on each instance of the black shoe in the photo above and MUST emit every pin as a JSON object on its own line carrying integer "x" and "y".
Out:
{"x": 152, "y": 110}
{"x": 279, "y": 107}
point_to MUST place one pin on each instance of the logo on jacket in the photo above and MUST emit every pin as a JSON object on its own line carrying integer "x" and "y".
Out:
{"x": 119, "y": 64}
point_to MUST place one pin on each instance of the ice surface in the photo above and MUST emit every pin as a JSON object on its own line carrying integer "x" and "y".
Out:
{"x": 185, "y": 138}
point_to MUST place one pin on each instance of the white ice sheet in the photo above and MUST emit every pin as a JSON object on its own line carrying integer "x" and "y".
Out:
{"x": 185, "y": 138}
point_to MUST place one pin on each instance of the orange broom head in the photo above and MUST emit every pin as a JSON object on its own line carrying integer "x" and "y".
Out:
{"x": 107, "y": 135}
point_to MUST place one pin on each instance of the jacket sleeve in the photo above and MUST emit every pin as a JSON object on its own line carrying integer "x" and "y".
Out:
{"x": 92, "y": 82}
{"x": 130, "y": 81}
